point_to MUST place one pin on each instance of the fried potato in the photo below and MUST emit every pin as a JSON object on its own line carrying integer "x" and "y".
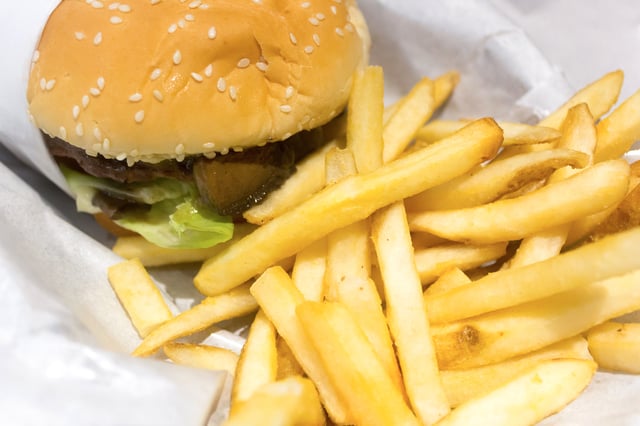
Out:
{"x": 616, "y": 346}
{"x": 309, "y": 269}
{"x": 499, "y": 335}
{"x": 590, "y": 191}
{"x": 201, "y": 356}
{"x": 346, "y": 202}
{"x": 463, "y": 385}
{"x": 359, "y": 377}
{"x": 291, "y": 401}
{"x": 451, "y": 278}
{"x": 404, "y": 305}
{"x": 611, "y": 256}
{"x": 139, "y": 296}
{"x": 491, "y": 182}
{"x": 235, "y": 303}
{"x": 532, "y": 395}
{"x": 619, "y": 130}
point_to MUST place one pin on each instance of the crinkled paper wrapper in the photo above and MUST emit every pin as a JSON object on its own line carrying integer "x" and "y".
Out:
{"x": 64, "y": 339}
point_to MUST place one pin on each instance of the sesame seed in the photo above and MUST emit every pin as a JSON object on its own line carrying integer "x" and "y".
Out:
{"x": 189, "y": 17}
{"x": 208, "y": 145}
{"x": 50, "y": 84}
{"x": 124, "y": 8}
{"x": 182, "y": 23}
{"x": 97, "y": 39}
{"x": 288, "y": 93}
{"x": 155, "y": 74}
{"x": 97, "y": 4}
{"x": 172, "y": 28}
{"x": 257, "y": 1}
{"x": 208, "y": 71}
{"x": 320, "y": 16}
{"x": 139, "y": 116}
{"x": 340, "y": 32}
{"x": 349, "y": 27}
{"x": 94, "y": 91}
{"x": 194, "y": 4}
{"x": 180, "y": 149}
{"x": 134, "y": 152}
{"x": 210, "y": 155}
{"x": 97, "y": 134}
{"x": 212, "y": 33}
{"x": 75, "y": 111}
{"x": 316, "y": 39}
{"x": 43, "y": 83}
{"x": 100, "y": 82}
{"x": 79, "y": 35}
{"x": 115, "y": 20}
{"x": 136, "y": 97}
{"x": 308, "y": 49}
{"x": 334, "y": 9}
{"x": 85, "y": 101}
{"x": 262, "y": 66}
{"x": 204, "y": 6}
{"x": 36, "y": 56}
{"x": 114, "y": 6}
{"x": 285, "y": 108}
{"x": 243, "y": 63}
{"x": 121, "y": 156}
{"x": 233, "y": 93}
{"x": 197, "y": 77}
{"x": 177, "y": 57}
{"x": 79, "y": 129}
{"x": 314, "y": 21}
{"x": 106, "y": 144}
{"x": 158, "y": 95}
{"x": 293, "y": 39}
{"x": 154, "y": 2}
{"x": 63, "y": 132}
{"x": 305, "y": 5}
{"x": 222, "y": 84}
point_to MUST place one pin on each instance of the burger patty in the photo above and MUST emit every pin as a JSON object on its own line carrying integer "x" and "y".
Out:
{"x": 230, "y": 183}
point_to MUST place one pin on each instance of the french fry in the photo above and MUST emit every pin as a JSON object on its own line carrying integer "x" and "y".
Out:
{"x": 201, "y": 356}
{"x": 451, "y": 278}
{"x": 139, "y": 296}
{"x": 619, "y": 130}
{"x": 616, "y": 346}
{"x": 608, "y": 257}
{"x": 443, "y": 86}
{"x": 404, "y": 305}
{"x": 499, "y": 335}
{"x": 466, "y": 384}
{"x": 288, "y": 365}
{"x": 211, "y": 310}
{"x": 291, "y": 401}
{"x": 432, "y": 262}
{"x": 279, "y": 300}
{"x": 590, "y": 191}
{"x": 514, "y": 133}
{"x": 529, "y": 397}
{"x": 346, "y": 202}
{"x": 309, "y": 270}
{"x": 485, "y": 184}
{"x": 257, "y": 365}
{"x": 599, "y": 95}
{"x": 356, "y": 372}
{"x": 149, "y": 254}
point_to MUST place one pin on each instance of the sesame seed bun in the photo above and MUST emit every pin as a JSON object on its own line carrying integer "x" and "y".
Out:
{"x": 155, "y": 79}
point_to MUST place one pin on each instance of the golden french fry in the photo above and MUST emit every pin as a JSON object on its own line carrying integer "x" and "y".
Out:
{"x": 135, "y": 246}
{"x": 529, "y": 397}
{"x": 514, "y": 133}
{"x": 432, "y": 262}
{"x": 590, "y": 191}
{"x": 364, "y": 121}
{"x": 309, "y": 270}
{"x": 600, "y": 96}
{"x": 348, "y": 201}
{"x": 616, "y": 346}
{"x": 201, "y": 356}
{"x": 404, "y": 305}
{"x": 235, "y": 303}
{"x": 291, "y": 401}
{"x": 257, "y": 365}
{"x": 339, "y": 164}
{"x": 499, "y": 178}
{"x": 139, "y": 296}
{"x": 356, "y": 372}
{"x": 451, "y": 278}
{"x": 288, "y": 365}
{"x": 279, "y": 298}
{"x": 605, "y": 258}
{"x": 619, "y": 130}
{"x": 443, "y": 86}
{"x": 466, "y": 384}
{"x": 500, "y": 335}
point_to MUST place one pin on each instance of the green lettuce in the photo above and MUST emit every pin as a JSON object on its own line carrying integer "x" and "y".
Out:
{"x": 176, "y": 218}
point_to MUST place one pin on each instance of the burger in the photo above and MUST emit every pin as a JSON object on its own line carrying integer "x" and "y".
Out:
{"x": 171, "y": 117}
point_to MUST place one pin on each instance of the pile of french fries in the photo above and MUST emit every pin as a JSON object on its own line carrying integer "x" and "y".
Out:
{"x": 422, "y": 271}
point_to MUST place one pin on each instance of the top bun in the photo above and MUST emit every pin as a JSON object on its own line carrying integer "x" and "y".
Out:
{"x": 154, "y": 79}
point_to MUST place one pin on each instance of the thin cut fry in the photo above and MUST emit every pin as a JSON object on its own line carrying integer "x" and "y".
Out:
{"x": 619, "y": 130}
{"x": 139, "y": 296}
{"x": 309, "y": 270}
{"x": 201, "y": 356}
{"x": 616, "y": 346}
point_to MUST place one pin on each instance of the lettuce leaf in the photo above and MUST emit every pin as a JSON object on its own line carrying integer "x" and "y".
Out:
{"x": 175, "y": 219}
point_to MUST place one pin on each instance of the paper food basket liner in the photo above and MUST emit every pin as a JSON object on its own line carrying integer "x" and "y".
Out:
{"x": 64, "y": 338}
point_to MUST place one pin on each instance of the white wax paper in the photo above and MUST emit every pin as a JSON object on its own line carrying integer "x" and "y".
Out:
{"x": 64, "y": 338}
